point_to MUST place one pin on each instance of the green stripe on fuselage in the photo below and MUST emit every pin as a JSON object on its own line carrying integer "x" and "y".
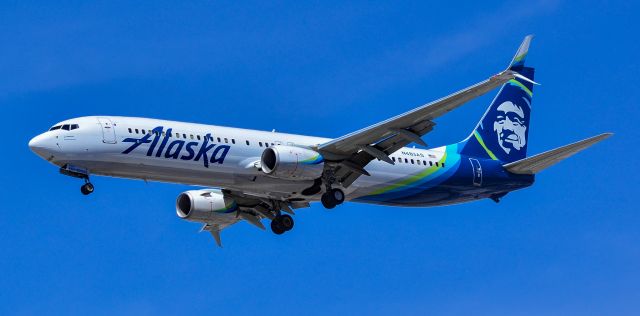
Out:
{"x": 412, "y": 178}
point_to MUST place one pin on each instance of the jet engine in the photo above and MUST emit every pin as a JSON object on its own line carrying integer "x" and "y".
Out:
{"x": 292, "y": 163}
{"x": 201, "y": 205}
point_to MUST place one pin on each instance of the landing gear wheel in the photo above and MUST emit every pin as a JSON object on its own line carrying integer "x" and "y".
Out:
{"x": 276, "y": 227}
{"x": 327, "y": 201}
{"x": 281, "y": 224}
{"x": 87, "y": 188}
{"x": 286, "y": 222}
{"x": 332, "y": 198}
{"x": 338, "y": 196}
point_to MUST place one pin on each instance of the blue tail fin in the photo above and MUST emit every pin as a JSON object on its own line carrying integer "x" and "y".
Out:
{"x": 502, "y": 133}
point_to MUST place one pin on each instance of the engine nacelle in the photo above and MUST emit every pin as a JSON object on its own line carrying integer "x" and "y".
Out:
{"x": 292, "y": 163}
{"x": 201, "y": 205}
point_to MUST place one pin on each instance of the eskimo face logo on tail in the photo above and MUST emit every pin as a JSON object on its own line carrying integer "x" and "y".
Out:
{"x": 510, "y": 127}
{"x": 179, "y": 149}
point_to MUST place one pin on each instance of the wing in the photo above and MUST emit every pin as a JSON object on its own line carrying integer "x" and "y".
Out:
{"x": 355, "y": 150}
{"x": 352, "y": 152}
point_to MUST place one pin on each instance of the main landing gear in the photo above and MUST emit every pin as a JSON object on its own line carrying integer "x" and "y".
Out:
{"x": 281, "y": 223}
{"x": 332, "y": 198}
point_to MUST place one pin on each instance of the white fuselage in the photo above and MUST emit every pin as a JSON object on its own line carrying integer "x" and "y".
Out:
{"x": 98, "y": 144}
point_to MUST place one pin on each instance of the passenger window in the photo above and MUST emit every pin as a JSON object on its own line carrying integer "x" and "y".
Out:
{"x": 266, "y": 144}
{"x": 393, "y": 158}
{"x": 424, "y": 162}
{"x": 219, "y": 140}
{"x": 191, "y": 136}
{"x": 137, "y": 131}
{"x": 143, "y": 132}
{"x": 198, "y": 136}
{"x": 406, "y": 160}
{"x": 177, "y": 135}
{"x": 412, "y": 162}
{"x": 226, "y": 141}
{"x": 437, "y": 164}
{"x": 260, "y": 143}
{"x": 233, "y": 141}
{"x": 247, "y": 142}
{"x": 443, "y": 165}
{"x": 430, "y": 163}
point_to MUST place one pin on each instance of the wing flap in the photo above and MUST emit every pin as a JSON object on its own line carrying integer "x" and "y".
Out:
{"x": 539, "y": 162}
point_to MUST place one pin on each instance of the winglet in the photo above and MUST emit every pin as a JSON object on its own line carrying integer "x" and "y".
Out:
{"x": 521, "y": 54}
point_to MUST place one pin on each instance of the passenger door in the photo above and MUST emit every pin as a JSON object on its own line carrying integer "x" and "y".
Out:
{"x": 108, "y": 131}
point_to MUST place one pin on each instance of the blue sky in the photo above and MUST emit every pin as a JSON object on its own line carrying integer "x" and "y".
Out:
{"x": 567, "y": 246}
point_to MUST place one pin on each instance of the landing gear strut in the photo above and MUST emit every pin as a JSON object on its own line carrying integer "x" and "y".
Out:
{"x": 281, "y": 224}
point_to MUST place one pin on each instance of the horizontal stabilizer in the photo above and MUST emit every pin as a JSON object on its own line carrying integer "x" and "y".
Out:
{"x": 539, "y": 162}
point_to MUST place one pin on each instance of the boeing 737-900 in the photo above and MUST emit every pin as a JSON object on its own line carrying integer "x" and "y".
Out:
{"x": 254, "y": 175}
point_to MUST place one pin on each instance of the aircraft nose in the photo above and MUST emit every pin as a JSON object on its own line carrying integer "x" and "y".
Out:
{"x": 42, "y": 146}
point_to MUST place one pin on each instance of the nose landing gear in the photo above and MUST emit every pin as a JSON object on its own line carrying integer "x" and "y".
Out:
{"x": 87, "y": 188}
{"x": 79, "y": 172}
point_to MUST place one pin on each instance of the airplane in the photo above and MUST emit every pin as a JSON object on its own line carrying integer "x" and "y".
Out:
{"x": 255, "y": 175}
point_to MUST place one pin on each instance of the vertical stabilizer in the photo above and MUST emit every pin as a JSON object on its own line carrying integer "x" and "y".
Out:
{"x": 502, "y": 133}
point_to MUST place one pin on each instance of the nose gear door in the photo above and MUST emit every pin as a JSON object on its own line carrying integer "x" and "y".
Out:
{"x": 108, "y": 131}
{"x": 477, "y": 172}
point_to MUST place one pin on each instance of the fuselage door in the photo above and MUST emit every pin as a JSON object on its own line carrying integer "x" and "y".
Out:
{"x": 108, "y": 131}
{"x": 477, "y": 171}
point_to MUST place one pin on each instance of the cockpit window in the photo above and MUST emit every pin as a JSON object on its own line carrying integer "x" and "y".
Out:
{"x": 66, "y": 127}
